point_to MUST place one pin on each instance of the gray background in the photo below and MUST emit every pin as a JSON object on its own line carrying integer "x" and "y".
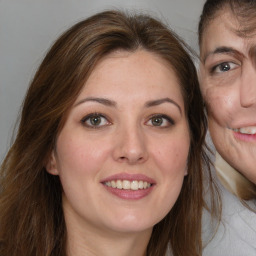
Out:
{"x": 29, "y": 27}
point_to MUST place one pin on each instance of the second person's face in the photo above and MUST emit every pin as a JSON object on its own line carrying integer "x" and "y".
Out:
{"x": 122, "y": 153}
{"x": 228, "y": 83}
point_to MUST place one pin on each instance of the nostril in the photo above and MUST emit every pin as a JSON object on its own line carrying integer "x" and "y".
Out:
{"x": 123, "y": 159}
{"x": 131, "y": 159}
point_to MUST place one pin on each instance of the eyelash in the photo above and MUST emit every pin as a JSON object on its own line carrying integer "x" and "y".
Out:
{"x": 88, "y": 118}
{"x": 94, "y": 115}
{"x": 167, "y": 118}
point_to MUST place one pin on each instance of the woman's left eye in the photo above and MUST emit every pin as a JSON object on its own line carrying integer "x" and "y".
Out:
{"x": 160, "y": 121}
{"x": 95, "y": 120}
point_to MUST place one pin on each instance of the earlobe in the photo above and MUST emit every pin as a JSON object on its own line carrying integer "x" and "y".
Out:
{"x": 186, "y": 170}
{"x": 51, "y": 165}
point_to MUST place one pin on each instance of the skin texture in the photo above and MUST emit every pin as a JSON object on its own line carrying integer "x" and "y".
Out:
{"x": 228, "y": 84}
{"x": 127, "y": 140}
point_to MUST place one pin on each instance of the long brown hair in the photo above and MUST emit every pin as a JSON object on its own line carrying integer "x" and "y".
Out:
{"x": 245, "y": 12}
{"x": 31, "y": 216}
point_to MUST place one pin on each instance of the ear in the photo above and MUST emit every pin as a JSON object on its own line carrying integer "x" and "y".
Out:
{"x": 51, "y": 164}
{"x": 186, "y": 170}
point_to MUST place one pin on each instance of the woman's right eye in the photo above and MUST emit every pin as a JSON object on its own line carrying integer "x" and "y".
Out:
{"x": 95, "y": 120}
{"x": 223, "y": 67}
{"x": 160, "y": 120}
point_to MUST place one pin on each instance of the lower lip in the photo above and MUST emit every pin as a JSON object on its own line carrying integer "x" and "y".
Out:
{"x": 245, "y": 137}
{"x": 129, "y": 194}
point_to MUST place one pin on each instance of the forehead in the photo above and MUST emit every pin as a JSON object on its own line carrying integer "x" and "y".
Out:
{"x": 226, "y": 30}
{"x": 141, "y": 71}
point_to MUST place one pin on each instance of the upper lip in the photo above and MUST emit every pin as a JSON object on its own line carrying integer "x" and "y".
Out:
{"x": 130, "y": 177}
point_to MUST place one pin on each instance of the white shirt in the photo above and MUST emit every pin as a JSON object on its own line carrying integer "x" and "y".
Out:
{"x": 236, "y": 235}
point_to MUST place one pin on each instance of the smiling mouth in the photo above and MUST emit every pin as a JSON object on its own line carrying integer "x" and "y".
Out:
{"x": 251, "y": 130}
{"x": 128, "y": 185}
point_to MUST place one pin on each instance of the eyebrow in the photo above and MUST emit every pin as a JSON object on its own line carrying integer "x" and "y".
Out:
{"x": 102, "y": 101}
{"x": 111, "y": 103}
{"x": 152, "y": 103}
{"x": 223, "y": 49}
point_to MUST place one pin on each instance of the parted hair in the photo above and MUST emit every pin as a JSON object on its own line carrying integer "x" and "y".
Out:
{"x": 245, "y": 12}
{"x": 31, "y": 215}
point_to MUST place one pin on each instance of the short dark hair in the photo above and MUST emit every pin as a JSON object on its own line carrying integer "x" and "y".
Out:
{"x": 243, "y": 10}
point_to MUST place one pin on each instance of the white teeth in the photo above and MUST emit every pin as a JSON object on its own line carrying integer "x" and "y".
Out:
{"x": 134, "y": 185}
{"x": 141, "y": 184}
{"x": 113, "y": 184}
{"x": 246, "y": 130}
{"x": 119, "y": 184}
{"x": 126, "y": 184}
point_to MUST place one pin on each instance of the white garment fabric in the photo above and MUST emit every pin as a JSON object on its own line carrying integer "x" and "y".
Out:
{"x": 236, "y": 234}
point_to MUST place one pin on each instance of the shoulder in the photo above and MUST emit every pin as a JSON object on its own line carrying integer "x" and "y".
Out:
{"x": 236, "y": 233}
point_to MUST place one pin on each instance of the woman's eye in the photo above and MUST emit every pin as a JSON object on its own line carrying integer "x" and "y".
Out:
{"x": 160, "y": 120}
{"x": 95, "y": 120}
{"x": 223, "y": 67}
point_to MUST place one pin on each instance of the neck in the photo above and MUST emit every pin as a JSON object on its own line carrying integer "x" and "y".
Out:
{"x": 89, "y": 239}
{"x": 81, "y": 243}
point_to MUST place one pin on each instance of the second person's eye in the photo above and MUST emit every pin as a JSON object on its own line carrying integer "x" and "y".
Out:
{"x": 223, "y": 67}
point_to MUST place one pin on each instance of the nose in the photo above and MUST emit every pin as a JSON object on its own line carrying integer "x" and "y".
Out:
{"x": 130, "y": 146}
{"x": 248, "y": 88}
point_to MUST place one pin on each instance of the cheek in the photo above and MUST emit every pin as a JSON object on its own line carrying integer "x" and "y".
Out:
{"x": 220, "y": 105}
{"x": 172, "y": 156}
{"x": 79, "y": 157}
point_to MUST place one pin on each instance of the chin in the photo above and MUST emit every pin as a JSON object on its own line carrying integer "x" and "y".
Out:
{"x": 132, "y": 224}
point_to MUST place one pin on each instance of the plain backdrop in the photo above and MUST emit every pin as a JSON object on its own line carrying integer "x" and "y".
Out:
{"x": 29, "y": 27}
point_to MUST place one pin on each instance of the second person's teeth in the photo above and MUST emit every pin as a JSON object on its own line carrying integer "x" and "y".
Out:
{"x": 248, "y": 130}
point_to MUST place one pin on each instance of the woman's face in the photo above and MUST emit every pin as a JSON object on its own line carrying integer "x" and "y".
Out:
{"x": 228, "y": 83}
{"x": 122, "y": 153}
